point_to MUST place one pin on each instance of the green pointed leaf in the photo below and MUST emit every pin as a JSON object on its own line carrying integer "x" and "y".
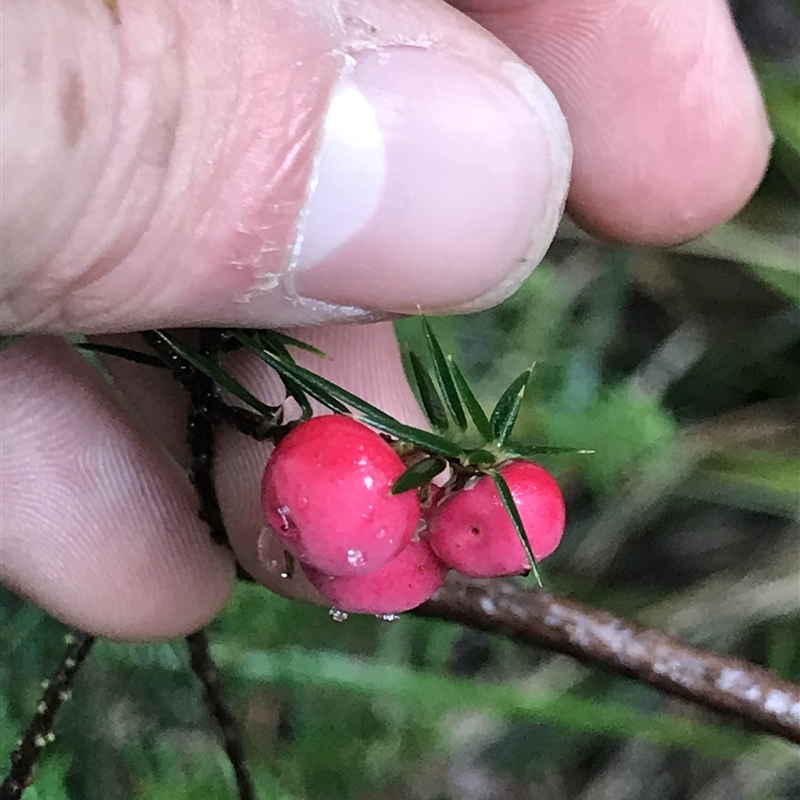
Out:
{"x": 507, "y": 409}
{"x": 338, "y": 399}
{"x": 294, "y": 391}
{"x": 431, "y": 402}
{"x": 271, "y": 338}
{"x": 7, "y": 341}
{"x": 531, "y": 451}
{"x": 480, "y": 456}
{"x": 148, "y": 359}
{"x": 419, "y": 474}
{"x": 444, "y": 377}
{"x": 476, "y": 412}
{"x": 217, "y": 374}
{"x": 511, "y": 508}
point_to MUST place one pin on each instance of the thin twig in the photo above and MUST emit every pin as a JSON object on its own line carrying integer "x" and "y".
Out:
{"x": 40, "y": 730}
{"x": 200, "y": 438}
{"x": 243, "y": 420}
{"x": 536, "y": 617}
{"x": 206, "y": 670}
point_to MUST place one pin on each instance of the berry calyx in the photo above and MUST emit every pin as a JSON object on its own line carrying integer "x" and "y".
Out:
{"x": 473, "y": 533}
{"x": 326, "y": 493}
{"x": 408, "y": 580}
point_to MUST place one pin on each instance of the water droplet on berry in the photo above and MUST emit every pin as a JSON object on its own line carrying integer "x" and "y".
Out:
{"x": 355, "y": 558}
{"x": 286, "y": 521}
{"x": 337, "y": 616}
{"x": 369, "y": 481}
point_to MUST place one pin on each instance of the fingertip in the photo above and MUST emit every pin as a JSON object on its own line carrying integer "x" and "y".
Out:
{"x": 100, "y": 526}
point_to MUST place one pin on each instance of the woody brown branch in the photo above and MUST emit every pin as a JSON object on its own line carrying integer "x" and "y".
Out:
{"x": 536, "y": 617}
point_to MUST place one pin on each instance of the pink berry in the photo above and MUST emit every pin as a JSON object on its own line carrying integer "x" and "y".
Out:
{"x": 407, "y": 580}
{"x": 473, "y": 533}
{"x": 326, "y": 493}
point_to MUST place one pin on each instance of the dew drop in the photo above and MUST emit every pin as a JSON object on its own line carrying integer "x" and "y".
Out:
{"x": 388, "y": 617}
{"x": 337, "y": 616}
{"x": 355, "y": 558}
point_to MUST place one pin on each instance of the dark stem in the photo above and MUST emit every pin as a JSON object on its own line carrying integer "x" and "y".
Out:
{"x": 40, "y": 731}
{"x": 200, "y": 437}
{"x": 192, "y": 379}
{"x": 206, "y": 670}
{"x": 536, "y": 617}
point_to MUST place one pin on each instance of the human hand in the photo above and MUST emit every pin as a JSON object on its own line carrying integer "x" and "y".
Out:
{"x": 155, "y": 169}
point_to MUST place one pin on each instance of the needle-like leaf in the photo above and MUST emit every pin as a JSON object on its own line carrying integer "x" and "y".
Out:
{"x": 511, "y": 508}
{"x": 507, "y": 409}
{"x": 270, "y": 338}
{"x": 477, "y": 414}
{"x": 431, "y": 401}
{"x": 295, "y": 391}
{"x": 137, "y": 357}
{"x": 338, "y": 399}
{"x": 419, "y": 474}
{"x": 216, "y": 373}
{"x": 444, "y": 377}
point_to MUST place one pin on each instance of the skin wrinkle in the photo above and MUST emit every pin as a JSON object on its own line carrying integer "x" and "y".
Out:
{"x": 73, "y": 107}
{"x": 154, "y": 148}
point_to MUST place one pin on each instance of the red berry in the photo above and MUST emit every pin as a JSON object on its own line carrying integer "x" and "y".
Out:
{"x": 326, "y": 493}
{"x": 473, "y": 533}
{"x": 406, "y": 581}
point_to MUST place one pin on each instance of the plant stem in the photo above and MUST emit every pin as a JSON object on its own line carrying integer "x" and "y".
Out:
{"x": 730, "y": 685}
{"x": 40, "y": 730}
{"x": 206, "y": 670}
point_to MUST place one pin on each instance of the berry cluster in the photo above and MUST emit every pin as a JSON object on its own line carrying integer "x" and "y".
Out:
{"x": 327, "y": 494}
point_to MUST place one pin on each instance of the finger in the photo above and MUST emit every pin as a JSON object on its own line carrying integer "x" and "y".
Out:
{"x": 363, "y": 359}
{"x": 262, "y": 163}
{"x": 667, "y": 121}
{"x": 99, "y": 525}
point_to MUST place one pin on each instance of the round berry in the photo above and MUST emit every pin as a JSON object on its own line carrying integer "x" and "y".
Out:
{"x": 473, "y": 533}
{"x": 407, "y": 580}
{"x": 326, "y": 493}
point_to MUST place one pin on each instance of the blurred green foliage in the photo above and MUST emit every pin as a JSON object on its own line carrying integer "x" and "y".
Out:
{"x": 682, "y": 370}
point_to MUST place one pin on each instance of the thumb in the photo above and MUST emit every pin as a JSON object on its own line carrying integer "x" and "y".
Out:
{"x": 265, "y": 163}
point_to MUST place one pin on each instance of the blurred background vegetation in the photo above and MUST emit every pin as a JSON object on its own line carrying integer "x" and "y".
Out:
{"x": 682, "y": 370}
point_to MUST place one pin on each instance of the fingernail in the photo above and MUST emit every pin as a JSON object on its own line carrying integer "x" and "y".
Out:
{"x": 438, "y": 184}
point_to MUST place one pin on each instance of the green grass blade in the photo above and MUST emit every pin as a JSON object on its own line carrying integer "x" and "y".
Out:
{"x": 512, "y": 511}
{"x": 431, "y": 401}
{"x": 531, "y": 451}
{"x": 476, "y": 412}
{"x": 507, "y": 409}
{"x": 444, "y": 377}
{"x": 340, "y": 400}
{"x": 419, "y": 474}
{"x": 434, "y": 694}
{"x": 216, "y": 373}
